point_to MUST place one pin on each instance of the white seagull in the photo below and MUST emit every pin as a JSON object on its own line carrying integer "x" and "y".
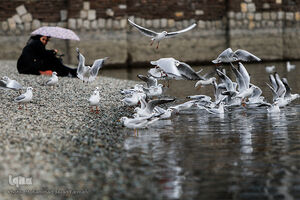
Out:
{"x": 94, "y": 100}
{"x": 52, "y": 80}
{"x": 289, "y": 66}
{"x": 87, "y": 73}
{"x": 7, "y": 83}
{"x": 24, "y": 98}
{"x": 159, "y": 36}
{"x": 228, "y": 56}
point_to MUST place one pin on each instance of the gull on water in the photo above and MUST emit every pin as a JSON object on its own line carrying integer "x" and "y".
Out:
{"x": 289, "y": 66}
{"x": 94, "y": 100}
{"x": 228, "y": 56}
{"x": 52, "y": 80}
{"x": 147, "y": 108}
{"x": 7, "y": 83}
{"x": 270, "y": 69}
{"x": 138, "y": 122}
{"x": 24, "y": 98}
{"x": 159, "y": 36}
{"x": 87, "y": 73}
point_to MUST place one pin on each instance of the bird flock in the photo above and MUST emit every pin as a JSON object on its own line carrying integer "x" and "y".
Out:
{"x": 148, "y": 99}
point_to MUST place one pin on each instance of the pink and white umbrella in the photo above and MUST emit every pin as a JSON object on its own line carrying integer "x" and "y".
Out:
{"x": 56, "y": 32}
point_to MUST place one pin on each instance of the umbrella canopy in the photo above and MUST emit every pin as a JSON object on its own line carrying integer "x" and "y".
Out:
{"x": 56, "y": 32}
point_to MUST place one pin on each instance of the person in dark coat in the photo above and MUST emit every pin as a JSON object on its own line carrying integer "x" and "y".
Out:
{"x": 35, "y": 59}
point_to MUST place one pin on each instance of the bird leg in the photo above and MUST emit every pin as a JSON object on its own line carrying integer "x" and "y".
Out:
{"x": 92, "y": 110}
{"x": 20, "y": 108}
{"x": 157, "y": 45}
{"x": 243, "y": 103}
{"x": 97, "y": 110}
{"x": 137, "y": 132}
{"x": 151, "y": 43}
{"x": 134, "y": 132}
{"x": 25, "y": 106}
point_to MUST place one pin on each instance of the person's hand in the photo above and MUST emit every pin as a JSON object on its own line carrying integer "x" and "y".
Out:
{"x": 55, "y": 50}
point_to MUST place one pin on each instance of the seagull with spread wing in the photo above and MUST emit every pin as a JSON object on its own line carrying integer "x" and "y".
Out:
{"x": 87, "y": 73}
{"x": 159, "y": 36}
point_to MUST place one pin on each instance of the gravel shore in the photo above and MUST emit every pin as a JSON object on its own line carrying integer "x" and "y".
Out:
{"x": 62, "y": 146}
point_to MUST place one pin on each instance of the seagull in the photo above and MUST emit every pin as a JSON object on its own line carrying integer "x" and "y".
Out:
{"x": 164, "y": 114}
{"x": 24, "y": 98}
{"x": 7, "y": 83}
{"x": 150, "y": 81}
{"x": 208, "y": 81}
{"x": 153, "y": 90}
{"x": 134, "y": 98}
{"x": 183, "y": 106}
{"x": 159, "y": 36}
{"x": 288, "y": 93}
{"x": 228, "y": 56}
{"x": 273, "y": 108}
{"x": 137, "y": 88}
{"x": 270, "y": 69}
{"x": 219, "y": 110}
{"x": 52, "y": 80}
{"x": 289, "y": 66}
{"x": 138, "y": 122}
{"x": 169, "y": 66}
{"x": 147, "y": 108}
{"x": 87, "y": 73}
{"x": 94, "y": 100}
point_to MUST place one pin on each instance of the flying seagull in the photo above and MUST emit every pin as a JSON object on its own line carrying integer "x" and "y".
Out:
{"x": 87, "y": 73}
{"x": 159, "y": 36}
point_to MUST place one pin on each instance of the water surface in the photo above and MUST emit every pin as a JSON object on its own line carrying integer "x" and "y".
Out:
{"x": 244, "y": 154}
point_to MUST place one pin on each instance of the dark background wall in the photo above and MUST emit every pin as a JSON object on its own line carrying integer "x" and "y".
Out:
{"x": 268, "y": 28}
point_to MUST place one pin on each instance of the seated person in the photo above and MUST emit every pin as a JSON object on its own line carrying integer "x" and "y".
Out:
{"x": 35, "y": 59}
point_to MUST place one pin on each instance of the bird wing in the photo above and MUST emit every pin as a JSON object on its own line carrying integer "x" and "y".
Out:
{"x": 225, "y": 54}
{"x": 273, "y": 82}
{"x": 143, "y": 30}
{"x": 167, "y": 65}
{"x": 81, "y": 64}
{"x": 14, "y": 85}
{"x": 281, "y": 90}
{"x": 239, "y": 78}
{"x": 287, "y": 87}
{"x": 150, "y": 81}
{"x": 96, "y": 66}
{"x": 274, "y": 93}
{"x": 171, "y": 34}
{"x": 19, "y": 98}
{"x": 226, "y": 80}
{"x": 188, "y": 72}
{"x": 256, "y": 92}
{"x": 244, "y": 55}
{"x": 151, "y": 104}
{"x": 244, "y": 73}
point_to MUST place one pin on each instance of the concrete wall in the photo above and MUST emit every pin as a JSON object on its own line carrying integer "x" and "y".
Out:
{"x": 267, "y": 28}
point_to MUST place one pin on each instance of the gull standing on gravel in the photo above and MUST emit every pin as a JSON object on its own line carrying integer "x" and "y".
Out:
{"x": 87, "y": 73}
{"x": 24, "y": 98}
{"x": 7, "y": 83}
{"x": 94, "y": 100}
{"x": 159, "y": 36}
{"x": 52, "y": 80}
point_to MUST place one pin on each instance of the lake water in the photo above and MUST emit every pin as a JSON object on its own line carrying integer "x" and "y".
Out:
{"x": 244, "y": 154}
